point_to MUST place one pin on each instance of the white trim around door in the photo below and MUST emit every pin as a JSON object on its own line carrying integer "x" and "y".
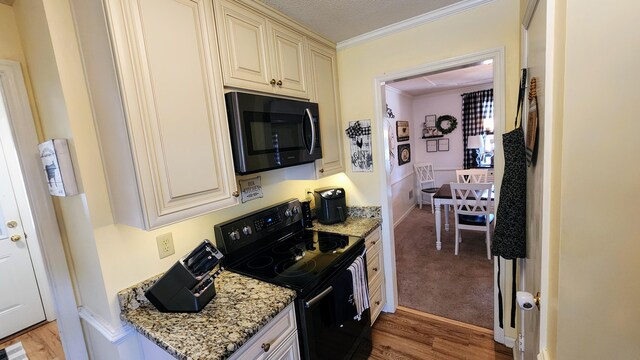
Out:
{"x": 23, "y": 133}
{"x": 382, "y": 156}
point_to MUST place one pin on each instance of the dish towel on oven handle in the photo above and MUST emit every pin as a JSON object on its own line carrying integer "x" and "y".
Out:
{"x": 360, "y": 287}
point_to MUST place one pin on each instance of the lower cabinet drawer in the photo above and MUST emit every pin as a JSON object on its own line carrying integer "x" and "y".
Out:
{"x": 268, "y": 340}
{"x": 377, "y": 296}
{"x": 375, "y": 264}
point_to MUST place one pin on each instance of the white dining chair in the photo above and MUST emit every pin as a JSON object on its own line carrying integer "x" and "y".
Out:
{"x": 472, "y": 175}
{"x": 471, "y": 211}
{"x": 425, "y": 182}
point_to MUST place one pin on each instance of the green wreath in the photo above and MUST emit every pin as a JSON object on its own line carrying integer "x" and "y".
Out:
{"x": 453, "y": 122}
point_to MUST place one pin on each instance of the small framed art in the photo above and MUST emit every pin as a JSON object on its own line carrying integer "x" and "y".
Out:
{"x": 443, "y": 144}
{"x": 404, "y": 154}
{"x": 402, "y": 130}
{"x": 432, "y": 145}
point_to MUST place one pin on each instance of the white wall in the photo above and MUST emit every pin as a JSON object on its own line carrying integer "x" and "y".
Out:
{"x": 441, "y": 103}
{"x": 402, "y": 179}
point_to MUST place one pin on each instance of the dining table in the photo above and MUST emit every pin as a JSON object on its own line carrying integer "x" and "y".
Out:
{"x": 443, "y": 197}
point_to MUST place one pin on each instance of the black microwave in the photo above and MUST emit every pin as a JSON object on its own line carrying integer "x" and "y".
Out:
{"x": 270, "y": 133}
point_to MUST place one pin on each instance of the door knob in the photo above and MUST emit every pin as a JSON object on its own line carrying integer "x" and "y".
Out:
{"x": 15, "y": 238}
{"x": 279, "y": 83}
{"x": 11, "y": 224}
{"x": 272, "y": 82}
{"x": 526, "y": 300}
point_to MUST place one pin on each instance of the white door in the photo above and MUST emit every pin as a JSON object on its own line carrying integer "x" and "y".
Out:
{"x": 20, "y": 303}
{"x": 535, "y": 51}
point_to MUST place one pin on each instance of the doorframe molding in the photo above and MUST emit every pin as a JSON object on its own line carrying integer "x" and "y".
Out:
{"x": 383, "y": 162}
{"x": 25, "y": 140}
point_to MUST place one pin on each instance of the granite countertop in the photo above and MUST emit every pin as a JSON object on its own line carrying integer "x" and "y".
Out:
{"x": 361, "y": 221}
{"x": 241, "y": 307}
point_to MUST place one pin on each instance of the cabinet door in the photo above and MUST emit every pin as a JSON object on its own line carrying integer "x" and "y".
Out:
{"x": 324, "y": 84}
{"x": 244, "y": 45}
{"x": 289, "y": 350}
{"x": 172, "y": 94}
{"x": 288, "y": 61}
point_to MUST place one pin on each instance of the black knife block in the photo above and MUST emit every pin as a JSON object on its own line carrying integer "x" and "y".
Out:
{"x": 179, "y": 290}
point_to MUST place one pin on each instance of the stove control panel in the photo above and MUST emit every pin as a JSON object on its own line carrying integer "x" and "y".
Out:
{"x": 256, "y": 226}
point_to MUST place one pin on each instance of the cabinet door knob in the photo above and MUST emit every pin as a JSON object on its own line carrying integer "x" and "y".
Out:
{"x": 236, "y": 193}
{"x": 266, "y": 347}
{"x": 279, "y": 83}
{"x": 375, "y": 269}
{"x": 377, "y": 302}
{"x": 321, "y": 171}
{"x": 272, "y": 82}
{"x": 15, "y": 238}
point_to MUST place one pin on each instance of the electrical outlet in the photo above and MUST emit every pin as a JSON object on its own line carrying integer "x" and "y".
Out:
{"x": 165, "y": 245}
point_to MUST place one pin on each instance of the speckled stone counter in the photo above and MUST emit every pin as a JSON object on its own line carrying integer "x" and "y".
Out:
{"x": 240, "y": 309}
{"x": 355, "y": 226}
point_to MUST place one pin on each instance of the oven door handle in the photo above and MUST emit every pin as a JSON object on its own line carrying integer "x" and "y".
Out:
{"x": 313, "y": 131}
{"x": 318, "y": 297}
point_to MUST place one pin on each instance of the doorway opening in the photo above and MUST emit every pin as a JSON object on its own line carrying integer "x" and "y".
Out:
{"x": 32, "y": 238}
{"x": 403, "y": 184}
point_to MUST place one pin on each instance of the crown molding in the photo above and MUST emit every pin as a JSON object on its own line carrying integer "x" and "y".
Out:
{"x": 412, "y": 22}
{"x": 400, "y": 92}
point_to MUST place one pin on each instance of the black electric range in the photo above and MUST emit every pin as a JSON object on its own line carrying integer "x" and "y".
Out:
{"x": 272, "y": 245}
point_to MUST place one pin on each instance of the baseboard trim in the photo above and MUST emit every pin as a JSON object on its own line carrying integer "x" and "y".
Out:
{"x": 115, "y": 336}
{"x": 445, "y": 320}
{"x": 509, "y": 342}
{"x": 403, "y": 217}
{"x": 544, "y": 355}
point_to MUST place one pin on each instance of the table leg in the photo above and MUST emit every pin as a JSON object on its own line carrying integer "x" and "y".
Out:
{"x": 446, "y": 217}
{"x": 438, "y": 224}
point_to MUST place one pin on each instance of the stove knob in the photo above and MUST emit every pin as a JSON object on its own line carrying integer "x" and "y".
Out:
{"x": 247, "y": 230}
{"x": 234, "y": 235}
{"x": 287, "y": 213}
{"x": 296, "y": 210}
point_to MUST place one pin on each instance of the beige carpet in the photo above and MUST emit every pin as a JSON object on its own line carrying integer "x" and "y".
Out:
{"x": 439, "y": 282}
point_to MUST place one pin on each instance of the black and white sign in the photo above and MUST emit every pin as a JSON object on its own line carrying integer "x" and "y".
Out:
{"x": 250, "y": 189}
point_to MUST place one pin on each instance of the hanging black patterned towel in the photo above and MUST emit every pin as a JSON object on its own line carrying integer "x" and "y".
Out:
{"x": 509, "y": 239}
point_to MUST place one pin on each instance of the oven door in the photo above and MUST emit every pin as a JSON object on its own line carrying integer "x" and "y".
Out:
{"x": 327, "y": 327}
{"x": 269, "y": 133}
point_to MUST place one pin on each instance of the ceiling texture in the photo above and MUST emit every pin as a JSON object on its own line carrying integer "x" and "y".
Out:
{"x": 448, "y": 80}
{"x": 339, "y": 20}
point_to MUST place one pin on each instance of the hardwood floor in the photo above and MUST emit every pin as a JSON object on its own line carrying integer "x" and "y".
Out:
{"x": 40, "y": 343}
{"x": 409, "y": 334}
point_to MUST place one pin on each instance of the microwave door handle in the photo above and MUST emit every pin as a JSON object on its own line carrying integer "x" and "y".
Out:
{"x": 313, "y": 131}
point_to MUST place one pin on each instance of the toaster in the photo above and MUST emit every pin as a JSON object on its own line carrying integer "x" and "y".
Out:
{"x": 331, "y": 205}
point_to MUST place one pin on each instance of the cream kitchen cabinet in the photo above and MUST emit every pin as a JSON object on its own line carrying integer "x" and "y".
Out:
{"x": 258, "y": 53}
{"x": 157, "y": 93}
{"x": 375, "y": 271}
{"x": 324, "y": 91}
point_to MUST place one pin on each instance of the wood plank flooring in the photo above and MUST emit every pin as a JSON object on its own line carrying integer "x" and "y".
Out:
{"x": 409, "y": 334}
{"x": 40, "y": 343}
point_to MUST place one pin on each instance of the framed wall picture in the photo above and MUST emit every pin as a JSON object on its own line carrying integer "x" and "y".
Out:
{"x": 429, "y": 127}
{"x": 404, "y": 154}
{"x": 402, "y": 130}
{"x": 443, "y": 144}
{"x": 432, "y": 145}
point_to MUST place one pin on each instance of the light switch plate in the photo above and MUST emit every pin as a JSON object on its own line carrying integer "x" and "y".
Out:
{"x": 165, "y": 245}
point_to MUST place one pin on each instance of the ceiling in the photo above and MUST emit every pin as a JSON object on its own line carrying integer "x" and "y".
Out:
{"x": 339, "y": 20}
{"x": 432, "y": 83}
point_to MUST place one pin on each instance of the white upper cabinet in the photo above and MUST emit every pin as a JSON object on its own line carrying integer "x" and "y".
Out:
{"x": 324, "y": 91}
{"x": 171, "y": 92}
{"x": 260, "y": 54}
